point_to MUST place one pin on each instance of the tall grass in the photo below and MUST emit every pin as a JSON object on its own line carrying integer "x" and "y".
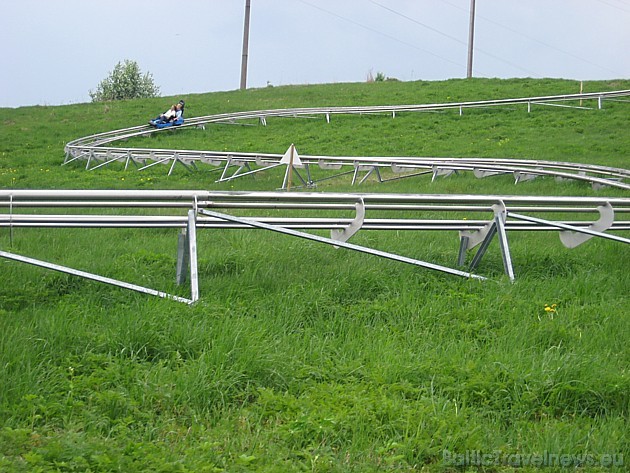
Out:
{"x": 300, "y": 357}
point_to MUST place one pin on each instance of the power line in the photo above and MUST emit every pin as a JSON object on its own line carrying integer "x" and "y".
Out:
{"x": 413, "y": 20}
{"x": 453, "y": 38}
{"x": 534, "y": 39}
{"x": 615, "y": 6}
{"x": 360, "y": 25}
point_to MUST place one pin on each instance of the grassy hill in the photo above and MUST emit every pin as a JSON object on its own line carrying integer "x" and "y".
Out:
{"x": 303, "y": 358}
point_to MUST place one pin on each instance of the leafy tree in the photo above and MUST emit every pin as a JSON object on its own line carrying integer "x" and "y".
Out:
{"x": 126, "y": 81}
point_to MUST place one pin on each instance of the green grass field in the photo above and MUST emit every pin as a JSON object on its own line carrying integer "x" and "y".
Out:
{"x": 300, "y": 357}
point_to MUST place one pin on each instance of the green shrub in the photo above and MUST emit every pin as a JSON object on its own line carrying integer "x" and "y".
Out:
{"x": 126, "y": 81}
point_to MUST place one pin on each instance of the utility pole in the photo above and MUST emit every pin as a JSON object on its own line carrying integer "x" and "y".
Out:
{"x": 471, "y": 37}
{"x": 245, "y": 47}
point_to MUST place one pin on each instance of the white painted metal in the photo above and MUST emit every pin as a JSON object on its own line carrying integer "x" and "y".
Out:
{"x": 353, "y": 227}
{"x": 500, "y": 214}
{"x": 606, "y": 220}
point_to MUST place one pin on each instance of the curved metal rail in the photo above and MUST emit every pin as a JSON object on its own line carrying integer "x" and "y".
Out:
{"x": 486, "y": 216}
{"x": 97, "y": 151}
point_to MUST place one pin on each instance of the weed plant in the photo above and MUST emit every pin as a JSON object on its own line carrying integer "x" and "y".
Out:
{"x": 300, "y": 357}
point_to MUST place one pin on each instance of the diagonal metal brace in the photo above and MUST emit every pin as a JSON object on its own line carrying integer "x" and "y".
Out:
{"x": 492, "y": 230}
{"x": 572, "y": 228}
{"x": 330, "y": 241}
{"x": 93, "y": 277}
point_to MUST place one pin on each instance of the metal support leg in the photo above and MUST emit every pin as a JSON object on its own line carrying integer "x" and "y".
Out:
{"x": 503, "y": 243}
{"x": 497, "y": 227}
{"x": 183, "y": 257}
{"x": 127, "y": 159}
{"x": 89, "y": 160}
{"x": 175, "y": 159}
{"x": 484, "y": 246}
{"x": 297, "y": 173}
{"x": 192, "y": 250}
{"x": 309, "y": 178}
{"x": 227, "y": 165}
{"x": 463, "y": 247}
{"x": 354, "y": 176}
{"x": 285, "y": 181}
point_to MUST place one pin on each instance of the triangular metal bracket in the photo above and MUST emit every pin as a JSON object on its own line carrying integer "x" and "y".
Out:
{"x": 480, "y": 173}
{"x": 475, "y": 237}
{"x": 287, "y": 182}
{"x": 522, "y": 176}
{"x": 496, "y": 226}
{"x": 368, "y": 169}
{"x": 441, "y": 171}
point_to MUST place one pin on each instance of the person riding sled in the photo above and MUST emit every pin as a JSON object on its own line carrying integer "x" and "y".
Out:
{"x": 173, "y": 116}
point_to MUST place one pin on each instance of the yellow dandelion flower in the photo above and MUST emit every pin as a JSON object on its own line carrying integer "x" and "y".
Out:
{"x": 550, "y": 309}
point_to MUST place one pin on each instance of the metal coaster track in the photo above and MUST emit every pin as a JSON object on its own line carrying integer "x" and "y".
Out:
{"x": 97, "y": 150}
{"x": 477, "y": 219}
{"x": 192, "y": 211}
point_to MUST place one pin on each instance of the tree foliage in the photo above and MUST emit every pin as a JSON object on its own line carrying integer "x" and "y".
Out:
{"x": 126, "y": 81}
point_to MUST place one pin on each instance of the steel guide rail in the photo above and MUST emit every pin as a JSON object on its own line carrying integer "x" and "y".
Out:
{"x": 398, "y": 164}
{"x": 105, "y": 221}
{"x": 106, "y": 137}
{"x": 189, "y": 211}
{"x": 93, "y": 150}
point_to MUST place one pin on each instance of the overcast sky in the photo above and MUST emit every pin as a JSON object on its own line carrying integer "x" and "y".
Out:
{"x": 56, "y": 51}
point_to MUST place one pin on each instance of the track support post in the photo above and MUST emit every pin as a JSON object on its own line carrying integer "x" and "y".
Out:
{"x": 483, "y": 237}
{"x": 183, "y": 259}
{"x": 187, "y": 255}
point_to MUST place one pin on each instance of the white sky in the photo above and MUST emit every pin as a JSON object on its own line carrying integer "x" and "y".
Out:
{"x": 56, "y": 51}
